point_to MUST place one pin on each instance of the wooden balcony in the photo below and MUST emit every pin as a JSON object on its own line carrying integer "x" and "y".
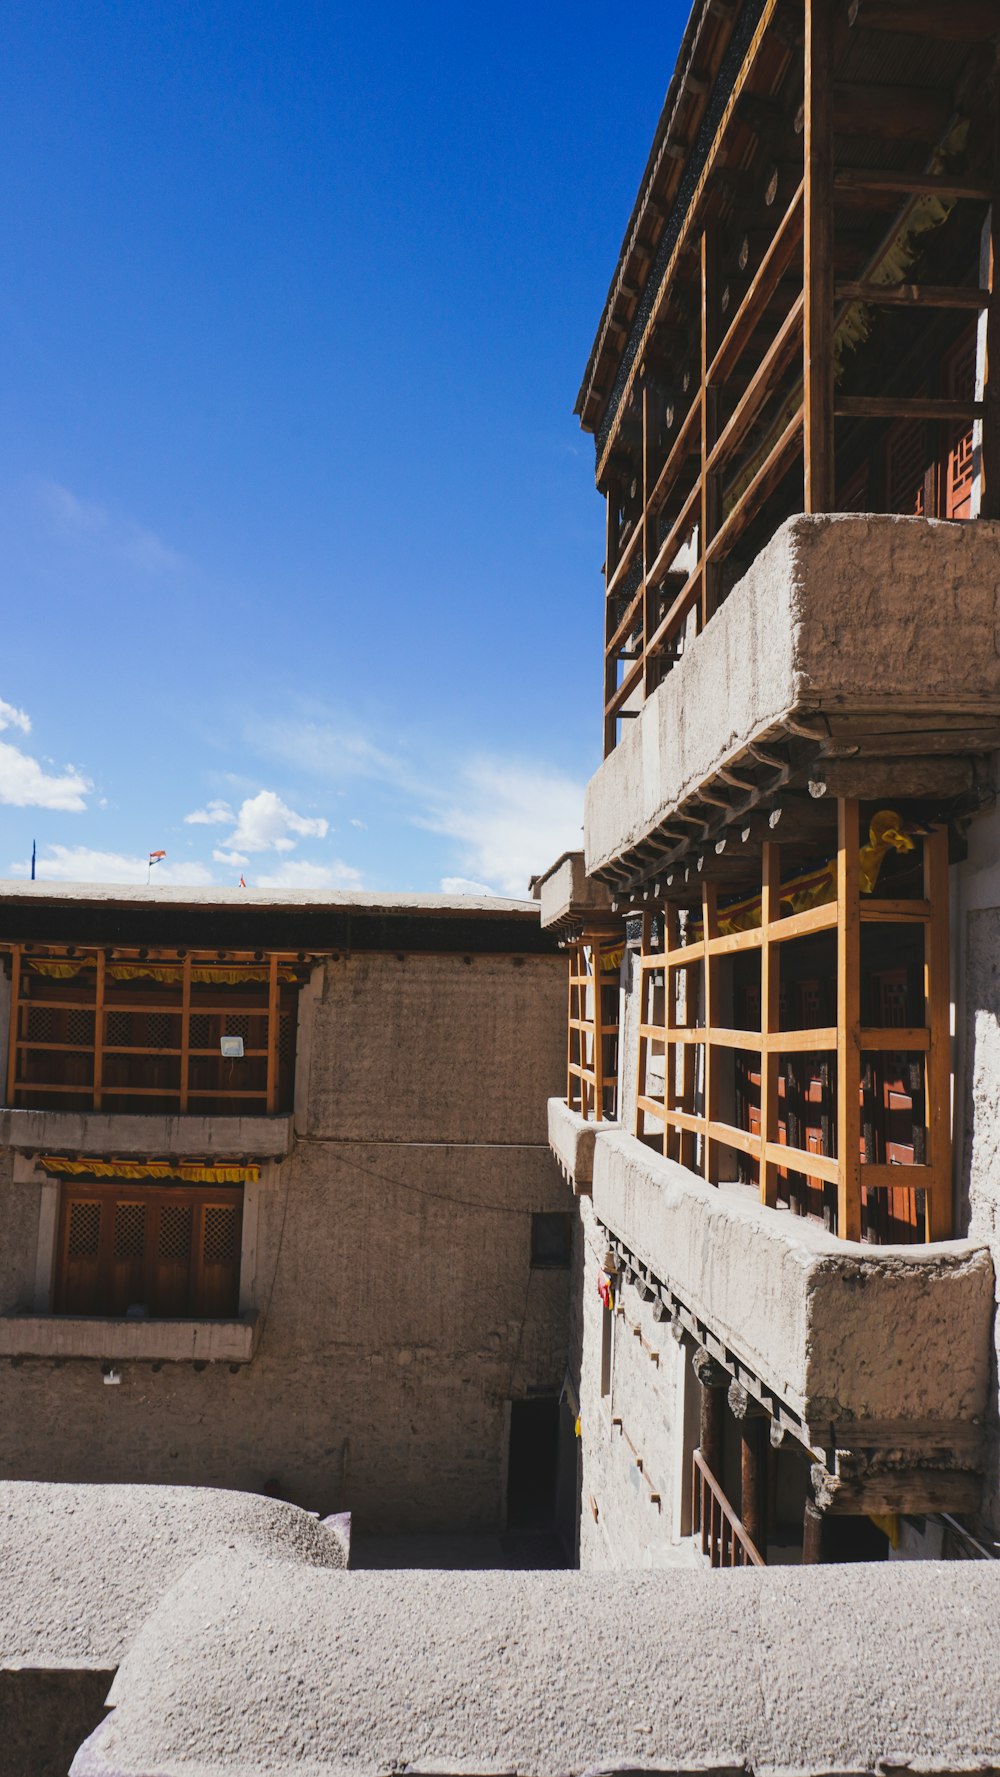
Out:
{"x": 813, "y": 310}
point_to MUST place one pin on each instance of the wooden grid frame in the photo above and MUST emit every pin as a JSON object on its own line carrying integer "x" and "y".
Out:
{"x": 591, "y": 1077}
{"x": 103, "y": 1002}
{"x": 696, "y": 1138}
{"x": 701, "y": 479}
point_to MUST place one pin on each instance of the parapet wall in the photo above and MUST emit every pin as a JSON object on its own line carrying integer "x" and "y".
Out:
{"x": 830, "y": 618}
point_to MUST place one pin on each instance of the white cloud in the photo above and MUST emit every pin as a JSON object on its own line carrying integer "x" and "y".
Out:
{"x": 79, "y": 863}
{"x": 10, "y": 717}
{"x": 265, "y": 823}
{"x": 327, "y": 751}
{"x": 463, "y": 885}
{"x": 216, "y": 814}
{"x": 362, "y": 824}
{"x": 510, "y": 819}
{"x": 26, "y": 784}
{"x": 111, "y": 532}
{"x": 230, "y": 857}
{"x": 299, "y": 873}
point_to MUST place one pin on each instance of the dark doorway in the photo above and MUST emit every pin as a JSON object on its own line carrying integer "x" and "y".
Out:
{"x": 533, "y": 1464}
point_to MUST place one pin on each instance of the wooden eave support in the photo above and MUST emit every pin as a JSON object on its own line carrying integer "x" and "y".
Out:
{"x": 915, "y": 1489}
{"x": 897, "y": 114}
{"x": 948, "y": 21}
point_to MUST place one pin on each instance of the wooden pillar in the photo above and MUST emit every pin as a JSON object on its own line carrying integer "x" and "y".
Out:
{"x": 818, "y": 257}
{"x": 15, "y": 1022}
{"x": 848, "y": 1022}
{"x": 713, "y": 1381}
{"x": 273, "y": 991}
{"x": 937, "y": 1011}
{"x": 710, "y": 975}
{"x": 711, "y": 485}
{"x": 597, "y": 1025}
{"x": 813, "y": 1523}
{"x": 989, "y": 504}
{"x": 755, "y": 1452}
{"x": 645, "y": 1018}
{"x": 99, "y": 1030}
{"x": 185, "y": 1029}
{"x": 611, "y": 556}
{"x": 770, "y": 1007}
{"x": 671, "y": 1137}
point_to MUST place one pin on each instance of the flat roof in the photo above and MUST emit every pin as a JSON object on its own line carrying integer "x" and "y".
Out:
{"x": 116, "y": 894}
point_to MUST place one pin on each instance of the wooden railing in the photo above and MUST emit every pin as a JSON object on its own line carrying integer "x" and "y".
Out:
{"x": 732, "y": 395}
{"x": 592, "y": 1028}
{"x": 724, "y": 1540}
{"x": 693, "y": 1037}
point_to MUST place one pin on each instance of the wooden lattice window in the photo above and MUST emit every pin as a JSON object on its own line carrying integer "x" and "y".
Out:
{"x": 906, "y": 467}
{"x": 170, "y": 1250}
{"x": 959, "y": 467}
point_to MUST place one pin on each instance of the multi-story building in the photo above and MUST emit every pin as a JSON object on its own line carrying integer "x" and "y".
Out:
{"x": 279, "y": 1211}
{"x": 781, "y": 1101}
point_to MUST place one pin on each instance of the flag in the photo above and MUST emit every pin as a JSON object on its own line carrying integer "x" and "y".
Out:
{"x": 32, "y": 860}
{"x": 155, "y": 856}
{"x": 242, "y": 882}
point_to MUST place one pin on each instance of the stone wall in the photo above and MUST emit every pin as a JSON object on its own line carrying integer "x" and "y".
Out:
{"x": 398, "y": 1308}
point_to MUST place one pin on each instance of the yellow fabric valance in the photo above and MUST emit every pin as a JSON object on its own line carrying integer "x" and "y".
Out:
{"x": 193, "y": 1174}
{"x": 224, "y": 974}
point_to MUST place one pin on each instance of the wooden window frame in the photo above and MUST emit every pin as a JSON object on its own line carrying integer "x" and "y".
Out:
{"x": 93, "y": 990}
{"x": 592, "y": 1033}
{"x": 696, "y": 1138}
{"x": 201, "y": 1293}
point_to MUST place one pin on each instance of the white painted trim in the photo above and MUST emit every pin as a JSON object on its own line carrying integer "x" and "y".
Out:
{"x": 45, "y": 1250}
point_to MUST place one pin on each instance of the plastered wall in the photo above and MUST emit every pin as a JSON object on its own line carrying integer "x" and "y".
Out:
{"x": 399, "y": 1308}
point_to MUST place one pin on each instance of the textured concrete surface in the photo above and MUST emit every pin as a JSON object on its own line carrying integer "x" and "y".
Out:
{"x": 153, "y": 1341}
{"x": 82, "y": 1567}
{"x": 566, "y": 892}
{"x": 97, "y": 1132}
{"x": 97, "y": 893}
{"x": 398, "y": 1309}
{"x": 251, "y": 1666}
{"x": 982, "y": 1134}
{"x": 571, "y": 1138}
{"x": 831, "y": 616}
{"x": 841, "y": 1330}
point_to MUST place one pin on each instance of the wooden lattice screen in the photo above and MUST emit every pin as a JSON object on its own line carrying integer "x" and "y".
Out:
{"x": 874, "y": 1150}
{"x": 173, "y": 1250}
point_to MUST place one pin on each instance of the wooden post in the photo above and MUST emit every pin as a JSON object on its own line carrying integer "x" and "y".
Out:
{"x": 185, "y": 1030}
{"x": 770, "y": 1007}
{"x": 15, "y": 1022}
{"x": 273, "y": 990}
{"x": 611, "y": 555}
{"x": 713, "y": 1381}
{"x": 989, "y": 501}
{"x": 818, "y": 257}
{"x": 937, "y": 1004}
{"x": 848, "y": 1022}
{"x": 813, "y": 1523}
{"x": 755, "y": 1447}
{"x": 671, "y": 1147}
{"x": 99, "y": 1030}
{"x": 711, "y": 490}
{"x": 710, "y": 974}
{"x": 597, "y": 1010}
{"x": 644, "y": 1018}
{"x": 650, "y": 421}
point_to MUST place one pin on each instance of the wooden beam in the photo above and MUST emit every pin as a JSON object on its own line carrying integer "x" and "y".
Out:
{"x": 760, "y": 386}
{"x": 772, "y": 268}
{"x": 711, "y": 488}
{"x": 848, "y": 1021}
{"x": 937, "y": 998}
{"x": 817, "y": 355}
{"x": 896, "y": 113}
{"x": 899, "y": 1490}
{"x": 99, "y": 1030}
{"x": 945, "y": 185}
{"x": 185, "y": 1031}
{"x": 15, "y": 1021}
{"x": 947, "y": 21}
{"x": 930, "y": 296}
{"x": 273, "y": 1002}
{"x": 770, "y": 997}
{"x": 989, "y": 504}
{"x": 899, "y": 407}
{"x": 710, "y": 928}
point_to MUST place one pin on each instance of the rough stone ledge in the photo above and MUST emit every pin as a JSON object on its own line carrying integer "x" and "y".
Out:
{"x": 827, "y": 619}
{"x": 886, "y": 1338}
{"x": 567, "y": 895}
{"x": 123, "y": 1340}
{"x": 115, "y": 1132}
{"x": 572, "y": 1138}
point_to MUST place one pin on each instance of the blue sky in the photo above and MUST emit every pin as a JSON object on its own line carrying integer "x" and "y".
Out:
{"x": 298, "y": 532}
